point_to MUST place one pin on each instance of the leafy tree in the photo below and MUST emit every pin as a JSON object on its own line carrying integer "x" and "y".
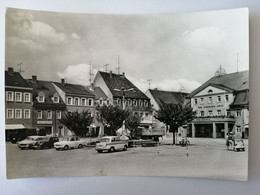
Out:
{"x": 77, "y": 122}
{"x": 112, "y": 117}
{"x": 175, "y": 115}
{"x": 132, "y": 123}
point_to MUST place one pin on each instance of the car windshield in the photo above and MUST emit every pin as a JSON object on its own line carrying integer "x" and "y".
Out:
{"x": 30, "y": 138}
{"x": 104, "y": 140}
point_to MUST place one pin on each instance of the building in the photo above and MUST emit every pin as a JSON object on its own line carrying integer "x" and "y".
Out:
{"x": 18, "y": 103}
{"x": 48, "y": 107}
{"x": 168, "y": 97}
{"x": 77, "y": 98}
{"x": 221, "y": 104}
{"x": 118, "y": 89}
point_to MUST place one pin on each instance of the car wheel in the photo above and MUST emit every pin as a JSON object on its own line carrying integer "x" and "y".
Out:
{"x": 112, "y": 149}
{"x": 99, "y": 151}
{"x": 66, "y": 147}
{"x": 125, "y": 148}
{"x": 57, "y": 149}
{"x": 80, "y": 146}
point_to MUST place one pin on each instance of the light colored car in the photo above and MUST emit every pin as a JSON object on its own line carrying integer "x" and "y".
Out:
{"x": 111, "y": 144}
{"x": 30, "y": 142}
{"x": 69, "y": 142}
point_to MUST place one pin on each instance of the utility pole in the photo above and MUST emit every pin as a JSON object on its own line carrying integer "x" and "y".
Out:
{"x": 106, "y": 65}
{"x": 149, "y": 82}
{"x": 90, "y": 74}
{"x": 20, "y": 67}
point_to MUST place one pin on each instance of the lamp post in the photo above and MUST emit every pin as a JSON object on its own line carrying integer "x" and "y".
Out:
{"x": 123, "y": 91}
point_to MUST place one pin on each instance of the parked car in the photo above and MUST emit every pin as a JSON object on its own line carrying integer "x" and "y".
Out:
{"x": 29, "y": 142}
{"x": 111, "y": 144}
{"x": 46, "y": 142}
{"x": 69, "y": 142}
{"x": 21, "y": 134}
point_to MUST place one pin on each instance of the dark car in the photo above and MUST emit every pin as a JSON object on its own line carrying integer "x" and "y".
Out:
{"x": 22, "y": 134}
{"x": 46, "y": 142}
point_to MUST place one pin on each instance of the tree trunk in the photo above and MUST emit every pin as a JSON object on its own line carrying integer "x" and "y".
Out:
{"x": 172, "y": 129}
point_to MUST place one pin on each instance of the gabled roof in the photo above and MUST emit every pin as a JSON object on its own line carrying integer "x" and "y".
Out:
{"x": 99, "y": 93}
{"x": 168, "y": 97}
{"x": 74, "y": 89}
{"x": 234, "y": 81}
{"x": 15, "y": 79}
{"x": 115, "y": 81}
{"x": 49, "y": 91}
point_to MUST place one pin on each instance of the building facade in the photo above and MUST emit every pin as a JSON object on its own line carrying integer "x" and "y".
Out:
{"x": 218, "y": 106}
{"x": 18, "y": 103}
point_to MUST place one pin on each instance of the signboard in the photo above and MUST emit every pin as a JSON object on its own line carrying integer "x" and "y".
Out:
{"x": 44, "y": 122}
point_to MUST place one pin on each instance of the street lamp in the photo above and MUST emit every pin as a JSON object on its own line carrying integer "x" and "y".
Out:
{"x": 124, "y": 90}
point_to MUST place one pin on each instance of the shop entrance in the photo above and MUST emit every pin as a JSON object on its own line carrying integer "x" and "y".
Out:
{"x": 204, "y": 130}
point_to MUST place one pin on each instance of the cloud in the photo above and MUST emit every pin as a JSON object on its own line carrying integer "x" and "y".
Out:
{"x": 167, "y": 85}
{"x": 205, "y": 37}
{"x": 75, "y": 36}
{"x": 78, "y": 74}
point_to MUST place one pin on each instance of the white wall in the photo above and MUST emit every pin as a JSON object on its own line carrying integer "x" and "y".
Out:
{"x": 143, "y": 185}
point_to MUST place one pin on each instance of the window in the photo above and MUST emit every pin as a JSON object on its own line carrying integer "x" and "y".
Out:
{"x": 9, "y": 96}
{"x": 238, "y": 113}
{"x": 83, "y": 101}
{"x": 90, "y": 102}
{"x": 202, "y": 100}
{"x": 202, "y": 113}
{"x": 146, "y": 114}
{"x": 129, "y": 102}
{"x": 76, "y": 101}
{"x": 101, "y": 101}
{"x": 18, "y": 96}
{"x": 58, "y": 114}
{"x": 238, "y": 128}
{"x": 145, "y": 103}
{"x": 134, "y": 102}
{"x": 226, "y": 98}
{"x": 141, "y": 114}
{"x": 27, "y": 97}
{"x": 210, "y": 91}
{"x": 228, "y": 113}
{"x": 219, "y": 98}
{"x": 195, "y": 101}
{"x": 49, "y": 114}
{"x": 56, "y": 99}
{"x": 210, "y": 113}
{"x": 210, "y": 100}
{"x": 39, "y": 114}
{"x": 107, "y": 102}
{"x": 218, "y": 112}
{"x": 140, "y": 103}
{"x": 18, "y": 113}
{"x": 41, "y": 97}
{"x": 10, "y": 113}
{"x": 118, "y": 101}
{"x": 69, "y": 101}
{"x": 27, "y": 113}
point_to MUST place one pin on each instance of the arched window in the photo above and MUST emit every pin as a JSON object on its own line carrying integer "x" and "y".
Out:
{"x": 41, "y": 97}
{"x": 210, "y": 91}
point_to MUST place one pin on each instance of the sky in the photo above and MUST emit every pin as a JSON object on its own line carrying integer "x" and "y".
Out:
{"x": 173, "y": 51}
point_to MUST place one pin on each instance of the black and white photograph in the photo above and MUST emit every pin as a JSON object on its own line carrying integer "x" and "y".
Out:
{"x": 127, "y": 94}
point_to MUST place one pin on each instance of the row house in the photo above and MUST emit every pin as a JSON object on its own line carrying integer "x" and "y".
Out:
{"x": 168, "y": 97}
{"x": 119, "y": 90}
{"x": 18, "y": 103}
{"x": 77, "y": 98}
{"x": 221, "y": 104}
{"x": 48, "y": 107}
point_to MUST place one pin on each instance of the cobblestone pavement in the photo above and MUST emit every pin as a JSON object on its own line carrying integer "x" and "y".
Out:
{"x": 204, "y": 158}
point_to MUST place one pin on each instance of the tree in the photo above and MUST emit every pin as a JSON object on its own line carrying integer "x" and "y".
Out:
{"x": 112, "y": 117}
{"x": 132, "y": 123}
{"x": 77, "y": 122}
{"x": 175, "y": 115}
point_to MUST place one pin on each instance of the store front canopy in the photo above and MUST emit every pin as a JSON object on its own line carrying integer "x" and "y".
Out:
{"x": 14, "y": 126}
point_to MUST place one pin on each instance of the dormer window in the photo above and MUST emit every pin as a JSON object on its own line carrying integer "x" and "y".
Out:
{"x": 129, "y": 102}
{"x": 134, "y": 102}
{"x": 145, "y": 103}
{"x": 100, "y": 101}
{"x": 141, "y": 103}
{"x": 56, "y": 98}
{"x": 107, "y": 102}
{"x": 41, "y": 97}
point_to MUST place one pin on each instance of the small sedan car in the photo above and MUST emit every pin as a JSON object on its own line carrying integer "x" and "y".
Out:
{"x": 69, "y": 142}
{"x": 46, "y": 142}
{"x": 111, "y": 144}
{"x": 29, "y": 142}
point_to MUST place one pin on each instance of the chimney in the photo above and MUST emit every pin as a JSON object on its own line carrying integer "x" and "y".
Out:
{"x": 10, "y": 70}
{"x": 155, "y": 89}
{"x": 110, "y": 74}
{"x": 123, "y": 73}
{"x": 34, "y": 79}
{"x": 63, "y": 82}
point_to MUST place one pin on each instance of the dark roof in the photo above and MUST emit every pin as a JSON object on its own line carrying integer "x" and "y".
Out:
{"x": 99, "y": 93}
{"x": 241, "y": 99}
{"x": 74, "y": 89}
{"x": 49, "y": 90}
{"x": 115, "y": 81}
{"x": 15, "y": 79}
{"x": 168, "y": 97}
{"x": 234, "y": 81}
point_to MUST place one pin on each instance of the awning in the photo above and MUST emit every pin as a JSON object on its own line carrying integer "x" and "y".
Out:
{"x": 14, "y": 126}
